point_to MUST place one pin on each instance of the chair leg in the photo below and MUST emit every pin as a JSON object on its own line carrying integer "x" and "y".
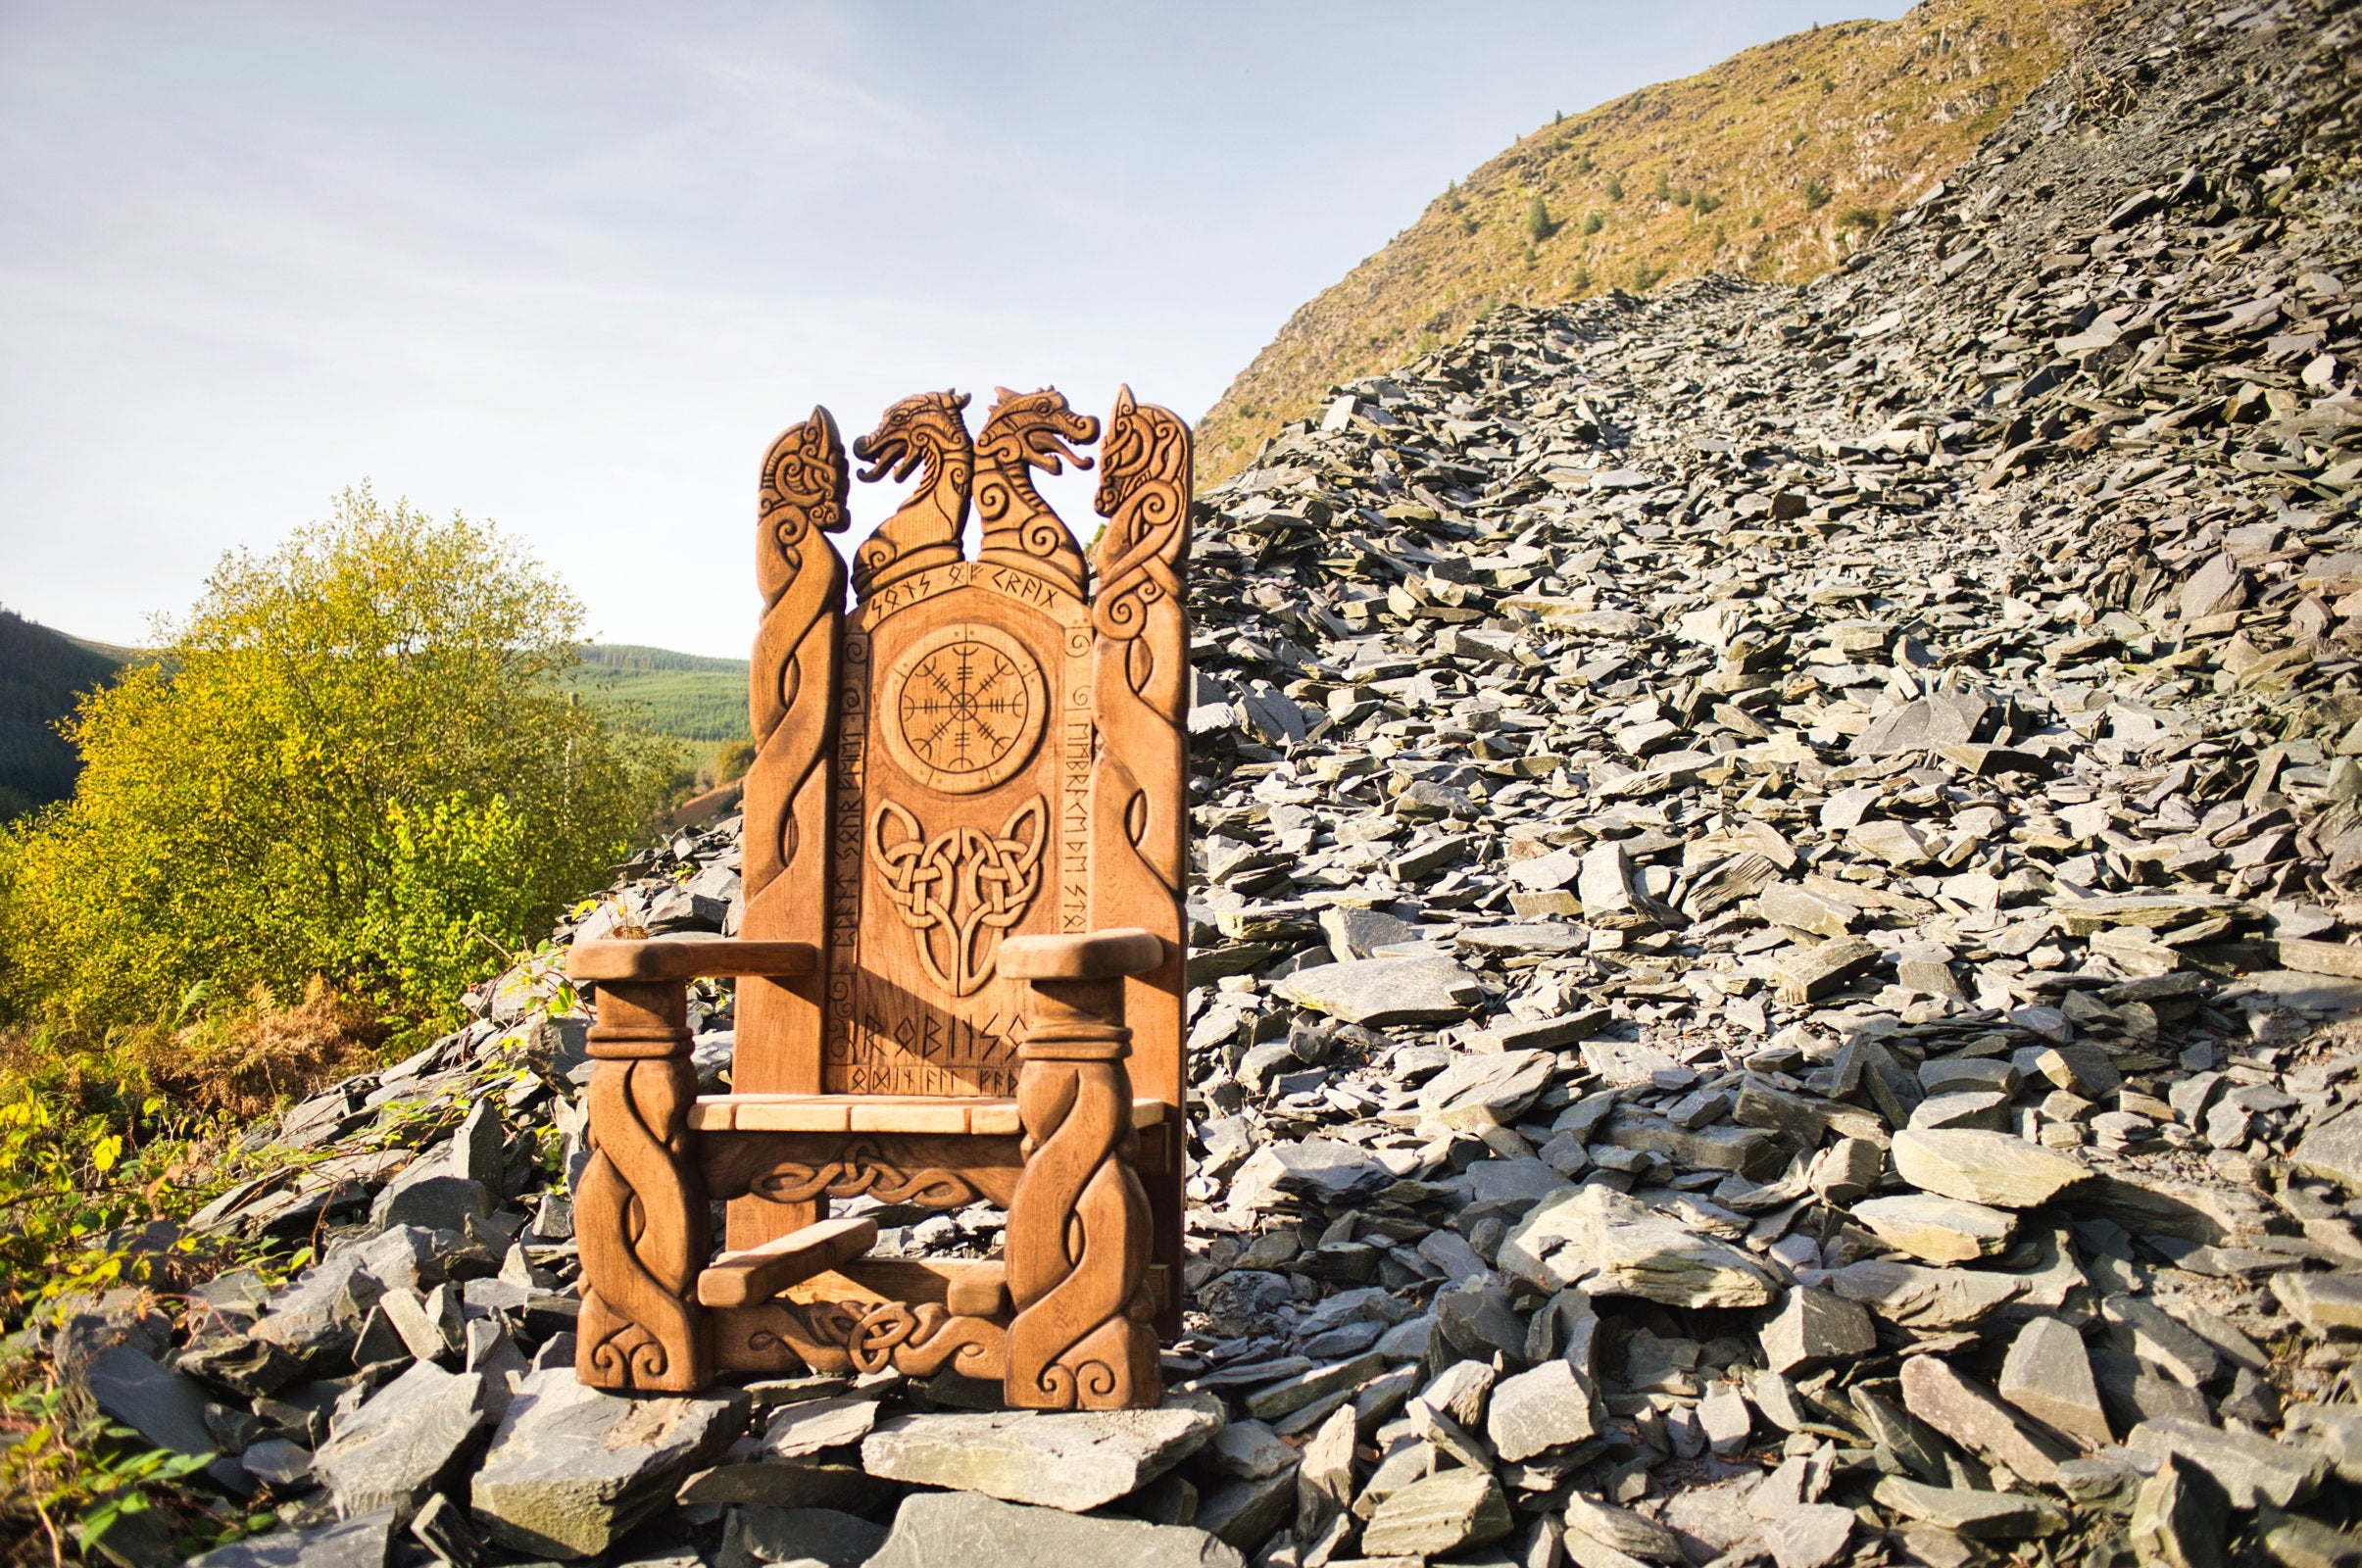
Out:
{"x": 1079, "y": 1233}
{"x": 640, "y": 1214}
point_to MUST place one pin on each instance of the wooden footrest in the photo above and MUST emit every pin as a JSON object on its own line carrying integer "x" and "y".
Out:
{"x": 741, "y": 1279}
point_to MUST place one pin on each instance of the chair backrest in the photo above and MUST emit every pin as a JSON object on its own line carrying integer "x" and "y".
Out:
{"x": 974, "y": 750}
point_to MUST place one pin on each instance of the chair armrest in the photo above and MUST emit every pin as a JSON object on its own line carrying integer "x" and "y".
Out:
{"x": 689, "y": 958}
{"x": 1093, "y": 955}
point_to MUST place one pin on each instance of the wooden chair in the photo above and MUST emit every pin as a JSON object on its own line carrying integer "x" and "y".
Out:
{"x": 959, "y": 973}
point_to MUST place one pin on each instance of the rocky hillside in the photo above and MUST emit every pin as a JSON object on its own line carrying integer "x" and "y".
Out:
{"x": 1773, "y": 165}
{"x": 1775, "y": 966}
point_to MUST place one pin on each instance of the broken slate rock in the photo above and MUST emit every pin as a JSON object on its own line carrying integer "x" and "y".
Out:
{"x": 1077, "y": 1461}
{"x": 1380, "y": 993}
{"x": 1539, "y": 1410}
{"x": 161, "y": 1405}
{"x": 1814, "y": 1328}
{"x": 573, "y": 1469}
{"x": 1440, "y": 1514}
{"x": 1623, "y": 1247}
{"x": 1984, "y": 1167}
{"x": 396, "y": 1447}
{"x": 935, "y": 1528}
{"x": 2049, "y": 1376}
{"x": 1938, "y": 1230}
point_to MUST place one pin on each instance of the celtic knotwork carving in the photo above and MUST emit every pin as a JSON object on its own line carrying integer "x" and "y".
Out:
{"x": 863, "y": 1166}
{"x": 835, "y": 1337}
{"x": 961, "y": 889}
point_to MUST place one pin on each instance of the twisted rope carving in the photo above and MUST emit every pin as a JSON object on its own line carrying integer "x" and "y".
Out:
{"x": 1078, "y": 1240}
{"x": 1142, "y": 620}
{"x": 641, "y": 1213}
{"x": 792, "y": 678}
{"x": 964, "y": 883}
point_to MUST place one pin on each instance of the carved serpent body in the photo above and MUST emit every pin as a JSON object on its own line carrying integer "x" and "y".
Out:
{"x": 1028, "y": 431}
{"x": 927, "y": 432}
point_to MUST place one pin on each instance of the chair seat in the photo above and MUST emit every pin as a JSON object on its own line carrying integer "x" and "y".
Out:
{"x": 959, "y": 1115}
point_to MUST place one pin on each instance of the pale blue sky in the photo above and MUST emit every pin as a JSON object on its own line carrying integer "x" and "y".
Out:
{"x": 569, "y": 267}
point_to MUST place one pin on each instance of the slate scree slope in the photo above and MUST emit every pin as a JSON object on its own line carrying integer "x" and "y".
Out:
{"x": 1774, "y": 933}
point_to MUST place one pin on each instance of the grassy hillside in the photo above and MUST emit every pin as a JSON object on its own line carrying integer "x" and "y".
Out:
{"x": 42, "y": 675}
{"x": 686, "y": 696}
{"x": 1773, "y": 164}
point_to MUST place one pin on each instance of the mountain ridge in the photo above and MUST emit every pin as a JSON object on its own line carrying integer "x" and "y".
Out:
{"x": 1796, "y": 151}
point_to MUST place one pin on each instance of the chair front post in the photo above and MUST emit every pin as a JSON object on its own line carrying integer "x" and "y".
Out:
{"x": 640, "y": 1214}
{"x": 1079, "y": 1233}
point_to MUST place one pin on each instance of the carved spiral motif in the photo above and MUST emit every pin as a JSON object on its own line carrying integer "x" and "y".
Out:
{"x": 1077, "y": 1238}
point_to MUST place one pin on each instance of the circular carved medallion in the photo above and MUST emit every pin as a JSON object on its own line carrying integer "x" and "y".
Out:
{"x": 963, "y": 708}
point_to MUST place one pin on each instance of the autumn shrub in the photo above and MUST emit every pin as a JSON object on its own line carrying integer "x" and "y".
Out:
{"x": 356, "y": 761}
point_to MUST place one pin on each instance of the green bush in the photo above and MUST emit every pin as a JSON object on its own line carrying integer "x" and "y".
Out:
{"x": 1615, "y": 187}
{"x": 1593, "y": 222}
{"x": 1816, "y": 194}
{"x": 356, "y": 760}
{"x": 1538, "y": 225}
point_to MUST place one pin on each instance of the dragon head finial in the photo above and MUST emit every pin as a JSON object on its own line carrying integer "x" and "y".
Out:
{"x": 922, "y": 428}
{"x": 1037, "y": 429}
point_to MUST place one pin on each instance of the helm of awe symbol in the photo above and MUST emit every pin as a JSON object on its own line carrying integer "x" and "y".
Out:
{"x": 965, "y": 707}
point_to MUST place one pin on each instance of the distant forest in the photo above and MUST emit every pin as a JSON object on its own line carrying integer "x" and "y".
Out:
{"x": 687, "y": 695}
{"x": 44, "y": 673}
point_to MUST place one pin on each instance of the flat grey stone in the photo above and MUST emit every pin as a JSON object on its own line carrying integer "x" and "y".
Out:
{"x": 161, "y": 1405}
{"x": 1945, "y": 718}
{"x": 1985, "y": 1167}
{"x": 964, "y": 1530}
{"x": 1539, "y": 1410}
{"x": 571, "y": 1469}
{"x": 2049, "y": 1376}
{"x": 1442, "y": 1513}
{"x": 1381, "y": 991}
{"x": 1971, "y": 1416}
{"x": 1978, "y": 1515}
{"x": 1915, "y": 1297}
{"x": 1623, "y": 1247}
{"x": 1810, "y": 1534}
{"x": 364, "y": 1542}
{"x": 1073, "y": 1460}
{"x": 1938, "y": 1230}
{"x": 2181, "y": 1517}
{"x": 758, "y": 1535}
{"x": 809, "y": 1426}
{"x": 396, "y": 1447}
{"x": 2334, "y": 1150}
{"x": 2253, "y": 1470}
{"x": 1816, "y": 1327}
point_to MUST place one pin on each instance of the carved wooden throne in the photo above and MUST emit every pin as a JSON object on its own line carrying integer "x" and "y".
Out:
{"x": 960, "y": 975}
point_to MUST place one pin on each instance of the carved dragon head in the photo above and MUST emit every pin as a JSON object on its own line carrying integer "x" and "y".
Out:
{"x": 926, "y": 428}
{"x": 1035, "y": 429}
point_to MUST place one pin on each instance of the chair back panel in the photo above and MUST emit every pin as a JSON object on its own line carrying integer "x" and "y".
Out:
{"x": 973, "y": 752}
{"x": 965, "y": 747}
